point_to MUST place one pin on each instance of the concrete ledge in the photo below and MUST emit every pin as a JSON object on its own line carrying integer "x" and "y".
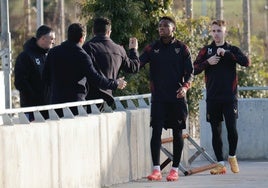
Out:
{"x": 99, "y": 150}
{"x": 2, "y": 91}
{"x": 91, "y": 151}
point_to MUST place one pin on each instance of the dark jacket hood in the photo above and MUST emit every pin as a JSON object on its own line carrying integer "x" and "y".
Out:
{"x": 31, "y": 44}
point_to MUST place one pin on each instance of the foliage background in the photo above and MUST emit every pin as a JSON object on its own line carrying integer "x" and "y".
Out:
{"x": 139, "y": 18}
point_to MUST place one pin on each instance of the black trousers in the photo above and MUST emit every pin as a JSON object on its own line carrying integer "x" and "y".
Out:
{"x": 216, "y": 113}
{"x": 167, "y": 115}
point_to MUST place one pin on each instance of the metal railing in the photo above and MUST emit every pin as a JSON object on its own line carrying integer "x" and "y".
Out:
{"x": 258, "y": 88}
{"x": 18, "y": 116}
{"x": 252, "y": 88}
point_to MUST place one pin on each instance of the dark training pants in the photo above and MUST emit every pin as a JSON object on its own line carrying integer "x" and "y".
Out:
{"x": 167, "y": 115}
{"x": 215, "y": 113}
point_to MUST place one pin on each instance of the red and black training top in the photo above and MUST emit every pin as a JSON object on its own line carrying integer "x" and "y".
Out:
{"x": 221, "y": 79}
{"x": 170, "y": 68}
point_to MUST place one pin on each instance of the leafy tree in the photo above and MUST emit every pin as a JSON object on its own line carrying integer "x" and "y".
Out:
{"x": 139, "y": 18}
{"x": 130, "y": 18}
{"x": 147, "y": 13}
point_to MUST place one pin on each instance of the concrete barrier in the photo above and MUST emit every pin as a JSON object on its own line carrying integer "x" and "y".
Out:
{"x": 252, "y": 126}
{"x": 91, "y": 151}
{"x": 101, "y": 149}
{"x": 2, "y": 91}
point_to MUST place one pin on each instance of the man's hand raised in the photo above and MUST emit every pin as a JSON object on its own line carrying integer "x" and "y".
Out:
{"x": 121, "y": 83}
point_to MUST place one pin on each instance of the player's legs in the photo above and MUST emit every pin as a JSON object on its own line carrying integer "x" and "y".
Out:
{"x": 157, "y": 123}
{"x": 214, "y": 116}
{"x": 230, "y": 115}
{"x": 176, "y": 118}
{"x": 177, "y": 147}
{"x": 217, "y": 144}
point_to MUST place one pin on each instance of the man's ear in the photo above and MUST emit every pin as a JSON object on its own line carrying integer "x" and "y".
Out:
{"x": 82, "y": 39}
{"x": 109, "y": 33}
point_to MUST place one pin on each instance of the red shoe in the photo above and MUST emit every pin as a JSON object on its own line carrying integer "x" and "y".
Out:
{"x": 155, "y": 176}
{"x": 173, "y": 175}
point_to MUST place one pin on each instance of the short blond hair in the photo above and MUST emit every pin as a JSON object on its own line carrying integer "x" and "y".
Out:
{"x": 219, "y": 23}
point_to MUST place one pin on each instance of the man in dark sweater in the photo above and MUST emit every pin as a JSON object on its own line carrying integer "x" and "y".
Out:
{"x": 109, "y": 58}
{"x": 68, "y": 67}
{"x": 29, "y": 67}
{"x": 171, "y": 73}
{"x": 219, "y": 60}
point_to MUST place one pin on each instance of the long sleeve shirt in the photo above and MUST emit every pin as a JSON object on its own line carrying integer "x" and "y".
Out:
{"x": 221, "y": 79}
{"x": 170, "y": 68}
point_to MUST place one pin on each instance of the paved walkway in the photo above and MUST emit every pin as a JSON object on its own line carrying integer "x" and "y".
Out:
{"x": 253, "y": 174}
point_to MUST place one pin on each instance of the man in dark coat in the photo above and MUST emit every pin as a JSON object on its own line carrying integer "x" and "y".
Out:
{"x": 29, "y": 66}
{"x": 109, "y": 58}
{"x": 68, "y": 67}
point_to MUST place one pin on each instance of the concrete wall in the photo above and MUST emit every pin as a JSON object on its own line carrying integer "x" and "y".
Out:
{"x": 252, "y": 126}
{"x": 2, "y": 91}
{"x": 99, "y": 150}
{"x": 92, "y": 151}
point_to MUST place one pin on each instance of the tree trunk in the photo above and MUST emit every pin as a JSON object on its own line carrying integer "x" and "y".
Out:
{"x": 189, "y": 9}
{"x": 219, "y": 9}
{"x": 246, "y": 28}
{"x": 266, "y": 30}
{"x": 62, "y": 20}
{"x": 28, "y": 25}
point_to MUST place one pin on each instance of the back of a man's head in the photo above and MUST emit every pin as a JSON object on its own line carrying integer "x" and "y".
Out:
{"x": 75, "y": 32}
{"x": 43, "y": 30}
{"x": 101, "y": 26}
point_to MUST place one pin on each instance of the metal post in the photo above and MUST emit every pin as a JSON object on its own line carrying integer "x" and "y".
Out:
{"x": 6, "y": 51}
{"x": 40, "y": 12}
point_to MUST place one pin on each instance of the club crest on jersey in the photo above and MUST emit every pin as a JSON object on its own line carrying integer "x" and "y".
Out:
{"x": 177, "y": 50}
{"x": 156, "y": 51}
{"x": 209, "y": 51}
{"x": 37, "y": 61}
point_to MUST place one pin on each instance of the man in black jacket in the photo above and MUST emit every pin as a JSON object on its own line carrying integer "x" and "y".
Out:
{"x": 68, "y": 67}
{"x": 29, "y": 66}
{"x": 109, "y": 58}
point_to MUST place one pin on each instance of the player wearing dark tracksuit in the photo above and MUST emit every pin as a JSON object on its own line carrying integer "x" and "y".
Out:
{"x": 171, "y": 73}
{"x": 218, "y": 60}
